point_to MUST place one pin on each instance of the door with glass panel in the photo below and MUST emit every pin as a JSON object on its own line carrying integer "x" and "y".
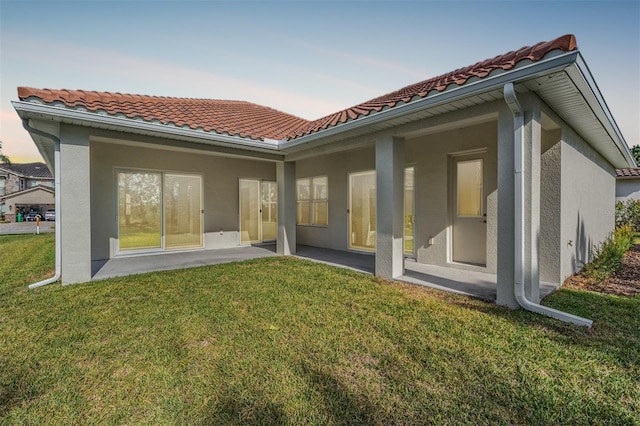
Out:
{"x": 469, "y": 224}
{"x": 409, "y": 211}
{"x": 258, "y": 211}
{"x": 139, "y": 211}
{"x": 269, "y": 209}
{"x": 153, "y": 205}
{"x": 362, "y": 211}
{"x": 182, "y": 211}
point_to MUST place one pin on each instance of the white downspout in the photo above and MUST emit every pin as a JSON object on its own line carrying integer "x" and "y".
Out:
{"x": 56, "y": 174}
{"x": 511, "y": 99}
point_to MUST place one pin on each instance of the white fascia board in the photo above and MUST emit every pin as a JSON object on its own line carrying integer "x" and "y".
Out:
{"x": 91, "y": 119}
{"x": 533, "y": 70}
{"x": 584, "y": 81}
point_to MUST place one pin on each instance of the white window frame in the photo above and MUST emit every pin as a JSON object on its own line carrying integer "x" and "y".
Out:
{"x": 311, "y": 201}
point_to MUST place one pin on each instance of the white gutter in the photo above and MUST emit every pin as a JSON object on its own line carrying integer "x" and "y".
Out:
{"x": 486, "y": 84}
{"x": 56, "y": 174}
{"x": 581, "y": 76}
{"x": 519, "y": 228}
{"x": 74, "y": 116}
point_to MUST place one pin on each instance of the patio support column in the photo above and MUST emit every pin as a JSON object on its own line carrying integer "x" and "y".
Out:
{"x": 75, "y": 205}
{"x": 389, "y": 207}
{"x": 286, "y": 177}
{"x": 532, "y": 159}
{"x": 506, "y": 213}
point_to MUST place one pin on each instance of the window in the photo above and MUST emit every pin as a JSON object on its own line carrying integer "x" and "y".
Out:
{"x": 313, "y": 201}
{"x": 470, "y": 188}
{"x": 2, "y": 180}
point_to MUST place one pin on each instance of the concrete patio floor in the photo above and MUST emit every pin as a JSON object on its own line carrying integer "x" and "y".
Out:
{"x": 471, "y": 283}
{"x": 128, "y": 265}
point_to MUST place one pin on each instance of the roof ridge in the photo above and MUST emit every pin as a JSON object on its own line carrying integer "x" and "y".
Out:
{"x": 566, "y": 42}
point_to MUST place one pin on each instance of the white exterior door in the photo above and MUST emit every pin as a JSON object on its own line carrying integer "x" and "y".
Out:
{"x": 469, "y": 219}
{"x": 258, "y": 211}
{"x": 362, "y": 211}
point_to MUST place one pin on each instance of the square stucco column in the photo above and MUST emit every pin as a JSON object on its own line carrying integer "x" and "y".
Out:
{"x": 286, "y": 177}
{"x": 389, "y": 207}
{"x": 506, "y": 214}
{"x": 75, "y": 206}
{"x": 532, "y": 159}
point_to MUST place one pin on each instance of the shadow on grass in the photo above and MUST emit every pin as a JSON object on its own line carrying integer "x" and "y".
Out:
{"x": 237, "y": 408}
{"x": 616, "y": 321}
{"x": 343, "y": 407}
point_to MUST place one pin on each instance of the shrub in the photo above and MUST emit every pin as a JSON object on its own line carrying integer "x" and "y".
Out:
{"x": 608, "y": 256}
{"x": 628, "y": 213}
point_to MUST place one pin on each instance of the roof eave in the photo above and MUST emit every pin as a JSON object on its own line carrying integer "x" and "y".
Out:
{"x": 535, "y": 69}
{"x": 583, "y": 79}
{"x": 30, "y": 110}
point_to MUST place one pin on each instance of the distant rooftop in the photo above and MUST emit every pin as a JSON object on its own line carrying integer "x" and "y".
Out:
{"x": 30, "y": 170}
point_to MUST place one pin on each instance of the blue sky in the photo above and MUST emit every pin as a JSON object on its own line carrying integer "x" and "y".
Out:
{"x": 303, "y": 57}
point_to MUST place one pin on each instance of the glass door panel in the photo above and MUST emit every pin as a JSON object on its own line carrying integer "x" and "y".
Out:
{"x": 409, "y": 210}
{"x": 362, "y": 211}
{"x": 469, "y": 230}
{"x": 139, "y": 211}
{"x": 269, "y": 211}
{"x": 182, "y": 211}
{"x": 249, "y": 211}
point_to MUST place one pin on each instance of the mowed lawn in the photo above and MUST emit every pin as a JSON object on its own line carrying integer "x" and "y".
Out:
{"x": 287, "y": 341}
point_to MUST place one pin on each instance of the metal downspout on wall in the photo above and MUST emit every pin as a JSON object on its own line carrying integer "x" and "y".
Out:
{"x": 56, "y": 173}
{"x": 511, "y": 99}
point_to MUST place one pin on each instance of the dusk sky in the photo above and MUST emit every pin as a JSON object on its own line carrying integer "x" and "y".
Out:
{"x": 305, "y": 58}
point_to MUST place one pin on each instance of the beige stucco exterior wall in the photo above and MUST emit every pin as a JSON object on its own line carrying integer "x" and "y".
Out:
{"x": 337, "y": 168}
{"x": 430, "y": 155}
{"x": 550, "y": 201}
{"x": 628, "y": 189}
{"x": 75, "y": 204}
{"x": 588, "y": 201}
{"x": 220, "y": 189}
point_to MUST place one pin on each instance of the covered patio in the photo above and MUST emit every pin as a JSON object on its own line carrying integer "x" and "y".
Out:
{"x": 470, "y": 283}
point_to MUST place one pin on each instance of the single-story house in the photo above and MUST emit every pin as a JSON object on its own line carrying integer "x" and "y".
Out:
{"x": 492, "y": 167}
{"x": 628, "y": 184}
{"x": 37, "y": 198}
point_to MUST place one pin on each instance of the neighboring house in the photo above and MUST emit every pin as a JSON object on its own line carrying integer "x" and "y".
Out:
{"x": 38, "y": 198}
{"x": 628, "y": 184}
{"x": 451, "y": 171}
{"x": 16, "y": 178}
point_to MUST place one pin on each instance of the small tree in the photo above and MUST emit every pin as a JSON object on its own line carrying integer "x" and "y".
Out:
{"x": 635, "y": 150}
{"x": 3, "y": 158}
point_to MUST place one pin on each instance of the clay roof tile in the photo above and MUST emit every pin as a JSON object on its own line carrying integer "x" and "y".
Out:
{"x": 258, "y": 122}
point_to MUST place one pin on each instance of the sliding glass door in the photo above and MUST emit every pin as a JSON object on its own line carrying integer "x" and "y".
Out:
{"x": 258, "y": 211}
{"x": 139, "y": 211}
{"x": 158, "y": 211}
{"x": 362, "y": 211}
{"x": 182, "y": 211}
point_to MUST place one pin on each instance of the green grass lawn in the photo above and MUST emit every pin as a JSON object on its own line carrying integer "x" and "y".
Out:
{"x": 282, "y": 340}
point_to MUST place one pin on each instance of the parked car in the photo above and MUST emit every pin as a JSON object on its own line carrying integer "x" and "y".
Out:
{"x": 31, "y": 216}
{"x": 50, "y": 214}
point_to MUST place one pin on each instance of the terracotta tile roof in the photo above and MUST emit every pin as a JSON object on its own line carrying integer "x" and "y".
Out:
{"x": 31, "y": 170}
{"x": 236, "y": 118}
{"x": 634, "y": 172}
{"x": 458, "y": 77}
{"x": 258, "y": 122}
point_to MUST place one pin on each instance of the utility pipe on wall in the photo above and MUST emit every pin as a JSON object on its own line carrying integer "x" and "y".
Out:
{"x": 511, "y": 99}
{"x": 56, "y": 174}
